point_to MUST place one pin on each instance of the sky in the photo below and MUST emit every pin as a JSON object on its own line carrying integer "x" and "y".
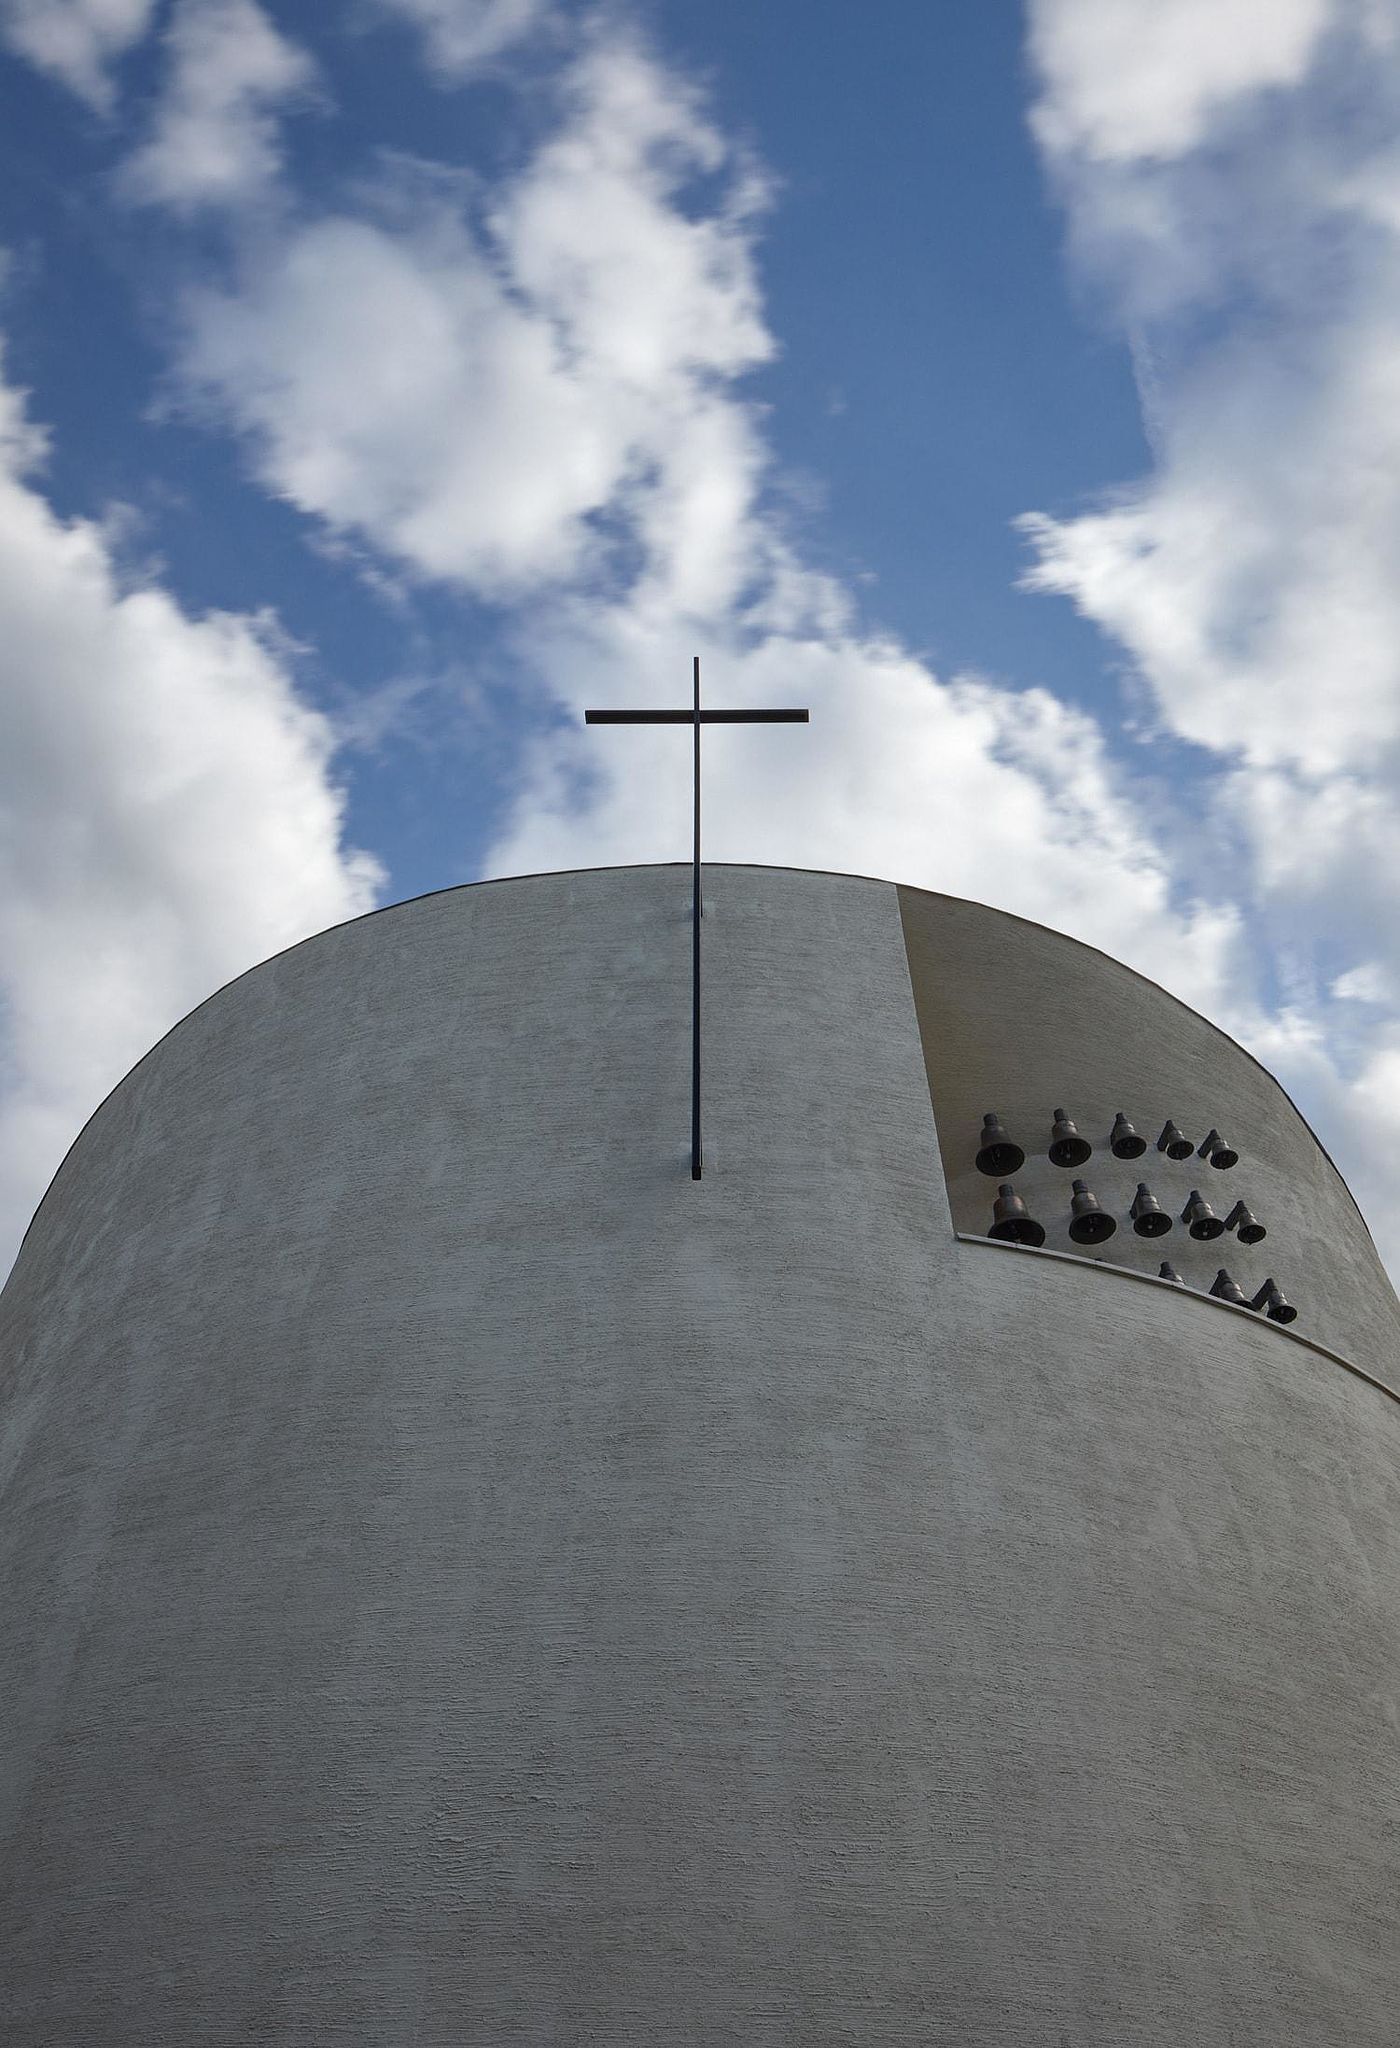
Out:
{"x": 1016, "y": 386}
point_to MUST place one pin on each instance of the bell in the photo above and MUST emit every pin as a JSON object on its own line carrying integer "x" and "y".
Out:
{"x": 1010, "y": 1221}
{"x": 1150, "y": 1219}
{"x": 1167, "y": 1271}
{"x": 1226, "y": 1289}
{"x": 1174, "y": 1142}
{"x": 1202, "y": 1219}
{"x": 1067, "y": 1148}
{"x": 1214, "y": 1148}
{"x": 998, "y": 1156}
{"x": 1245, "y": 1221}
{"x": 1124, "y": 1142}
{"x": 1280, "y": 1309}
{"x": 1089, "y": 1224}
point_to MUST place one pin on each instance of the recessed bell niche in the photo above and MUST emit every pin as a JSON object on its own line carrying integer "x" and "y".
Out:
{"x": 1092, "y": 1220}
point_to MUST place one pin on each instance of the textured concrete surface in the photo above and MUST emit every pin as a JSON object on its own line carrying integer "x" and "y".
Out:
{"x": 1019, "y": 1020}
{"x": 465, "y": 1583}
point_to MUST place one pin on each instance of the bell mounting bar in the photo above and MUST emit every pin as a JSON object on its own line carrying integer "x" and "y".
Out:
{"x": 695, "y": 717}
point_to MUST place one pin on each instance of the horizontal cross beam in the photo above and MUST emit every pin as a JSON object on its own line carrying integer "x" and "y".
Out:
{"x": 695, "y": 717}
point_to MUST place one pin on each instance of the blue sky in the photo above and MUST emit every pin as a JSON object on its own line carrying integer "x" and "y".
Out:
{"x": 1017, "y": 386}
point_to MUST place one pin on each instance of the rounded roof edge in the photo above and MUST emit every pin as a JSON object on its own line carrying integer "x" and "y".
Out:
{"x": 636, "y": 867}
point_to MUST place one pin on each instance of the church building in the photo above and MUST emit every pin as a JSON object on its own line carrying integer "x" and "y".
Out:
{"x": 468, "y": 1582}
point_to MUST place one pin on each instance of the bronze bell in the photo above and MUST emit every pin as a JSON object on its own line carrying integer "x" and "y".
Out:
{"x": 1245, "y": 1221}
{"x": 1174, "y": 1141}
{"x": 1124, "y": 1142}
{"x": 1214, "y": 1148}
{"x": 1150, "y": 1219}
{"x": 1090, "y": 1223}
{"x": 1201, "y": 1218}
{"x": 1067, "y": 1148}
{"x": 1226, "y": 1289}
{"x": 998, "y": 1155}
{"x": 1011, "y": 1223}
{"x": 1271, "y": 1297}
{"x": 1167, "y": 1271}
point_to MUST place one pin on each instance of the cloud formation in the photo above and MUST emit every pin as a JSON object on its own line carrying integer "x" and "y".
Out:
{"x": 462, "y": 37}
{"x": 76, "y": 41}
{"x": 1130, "y": 81}
{"x": 167, "y": 817}
{"x": 517, "y": 374}
{"x": 214, "y": 137}
{"x": 545, "y": 406}
{"x": 1240, "y": 210}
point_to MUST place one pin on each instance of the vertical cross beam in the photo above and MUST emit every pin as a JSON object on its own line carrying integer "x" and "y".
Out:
{"x": 695, "y": 718}
{"x": 697, "y": 911}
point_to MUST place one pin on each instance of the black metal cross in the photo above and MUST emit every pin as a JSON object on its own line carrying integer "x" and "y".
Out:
{"x": 696, "y": 718}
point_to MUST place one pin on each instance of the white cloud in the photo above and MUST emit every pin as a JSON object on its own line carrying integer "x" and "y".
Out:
{"x": 167, "y": 817}
{"x": 76, "y": 41}
{"x": 214, "y": 137}
{"x": 474, "y": 397}
{"x": 1249, "y": 578}
{"x": 1128, "y": 79}
{"x": 461, "y": 37}
{"x": 1368, "y": 983}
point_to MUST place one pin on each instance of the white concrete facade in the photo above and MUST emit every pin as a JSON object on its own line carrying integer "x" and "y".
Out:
{"x": 465, "y": 1582}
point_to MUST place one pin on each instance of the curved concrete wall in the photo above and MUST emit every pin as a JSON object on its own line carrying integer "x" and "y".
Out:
{"x": 466, "y": 1582}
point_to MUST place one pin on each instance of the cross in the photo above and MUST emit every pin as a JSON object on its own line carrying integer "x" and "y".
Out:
{"x": 696, "y": 718}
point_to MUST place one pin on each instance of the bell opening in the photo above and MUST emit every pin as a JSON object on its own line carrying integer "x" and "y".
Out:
{"x": 1018, "y": 1230}
{"x": 1070, "y": 1151}
{"x": 1000, "y": 1159}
